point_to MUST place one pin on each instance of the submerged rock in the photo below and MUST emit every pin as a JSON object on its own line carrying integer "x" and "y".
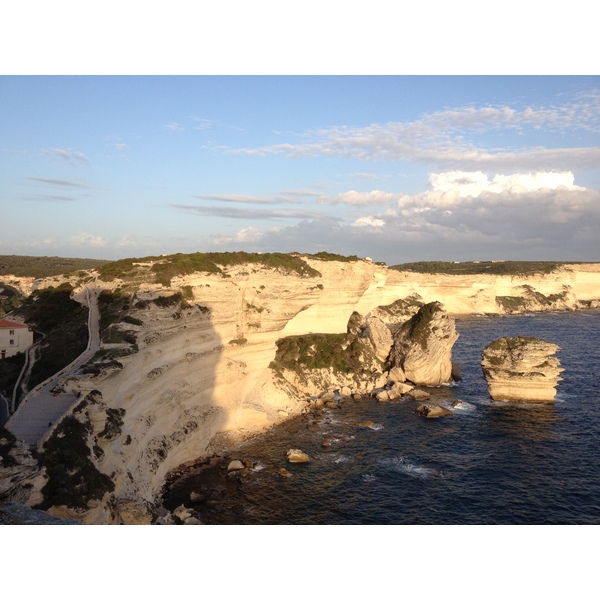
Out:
{"x": 521, "y": 368}
{"x": 423, "y": 346}
{"x": 432, "y": 411}
{"x": 418, "y": 394}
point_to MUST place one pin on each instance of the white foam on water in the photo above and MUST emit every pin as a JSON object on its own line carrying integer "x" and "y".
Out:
{"x": 464, "y": 407}
{"x": 333, "y": 457}
{"x": 405, "y": 466}
{"x": 342, "y": 458}
{"x": 375, "y": 427}
{"x": 368, "y": 477}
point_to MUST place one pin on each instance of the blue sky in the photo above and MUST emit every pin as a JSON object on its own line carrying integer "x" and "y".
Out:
{"x": 399, "y": 168}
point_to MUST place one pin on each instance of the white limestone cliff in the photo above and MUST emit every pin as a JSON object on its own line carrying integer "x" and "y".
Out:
{"x": 201, "y": 376}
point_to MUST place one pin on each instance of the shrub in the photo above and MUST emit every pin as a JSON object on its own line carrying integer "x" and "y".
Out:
{"x": 74, "y": 480}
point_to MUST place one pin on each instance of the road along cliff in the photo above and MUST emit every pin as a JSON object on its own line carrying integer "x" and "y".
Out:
{"x": 187, "y": 365}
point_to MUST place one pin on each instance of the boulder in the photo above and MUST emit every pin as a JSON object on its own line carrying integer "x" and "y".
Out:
{"x": 396, "y": 375}
{"x": 418, "y": 394}
{"x": 432, "y": 411}
{"x": 297, "y": 456}
{"x": 521, "y": 368}
{"x": 235, "y": 465}
{"x": 393, "y": 395}
{"x": 402, "y": 388}
{"x": 182, "y": 513}
{"x": 422, "y": 347}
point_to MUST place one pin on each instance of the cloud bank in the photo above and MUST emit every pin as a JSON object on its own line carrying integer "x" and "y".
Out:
{"x": 462, "y": 214}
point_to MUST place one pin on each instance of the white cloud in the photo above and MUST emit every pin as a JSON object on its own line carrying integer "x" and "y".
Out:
{"x": 248, "y": 234}
{"x": 446, "y": 138}
{"x": 86, "y": 239}
{"x": 368, "y": 222}
{"x": 172, "y": 126}
{"x": 68, "y": 155}
{"x": 474, "y": 183}
{"x": 202, "y": 124}
{"x": 363, "y": 198}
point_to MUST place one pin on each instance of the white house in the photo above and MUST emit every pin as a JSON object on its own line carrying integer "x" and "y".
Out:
{"x": 14, "y": 338}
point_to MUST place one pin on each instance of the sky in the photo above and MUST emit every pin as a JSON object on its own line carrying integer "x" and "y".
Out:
{"x": 397, "y": 168}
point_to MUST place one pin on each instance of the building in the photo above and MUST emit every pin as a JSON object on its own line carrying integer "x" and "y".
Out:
{"x": 14, "y": 338}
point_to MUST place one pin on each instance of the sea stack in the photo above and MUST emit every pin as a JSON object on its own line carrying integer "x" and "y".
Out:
{"x": 521, "y": 368}
{"x": 423, "y": 346}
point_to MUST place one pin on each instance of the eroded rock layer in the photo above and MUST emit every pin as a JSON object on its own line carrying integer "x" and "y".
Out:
{"x": 521, "y": 368}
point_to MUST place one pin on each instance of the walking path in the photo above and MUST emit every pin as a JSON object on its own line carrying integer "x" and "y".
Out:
{"x": 40, "y": 408}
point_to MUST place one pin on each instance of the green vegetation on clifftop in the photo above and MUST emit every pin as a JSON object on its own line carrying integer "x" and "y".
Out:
{"x": 508, "y": 267}
{"x": 161, "y": 269}
{"x": 44, "y": 266}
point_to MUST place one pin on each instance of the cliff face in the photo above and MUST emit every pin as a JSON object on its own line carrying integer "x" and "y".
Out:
{"x": 200, "y": 377}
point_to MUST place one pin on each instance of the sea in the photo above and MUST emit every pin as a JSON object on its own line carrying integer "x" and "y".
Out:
{"x": 379, "y": 463}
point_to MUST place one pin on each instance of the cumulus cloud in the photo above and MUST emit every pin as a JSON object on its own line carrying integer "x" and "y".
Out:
{"x": 463, "y": 216}
{"x": 248, "y": 234}
{"x": 368, "y": 222}
{"x": 68, "y": 155}
{"x": 474, "y": 183}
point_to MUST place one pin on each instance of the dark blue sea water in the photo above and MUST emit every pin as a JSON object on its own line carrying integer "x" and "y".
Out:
{"x": 487, "y": 463}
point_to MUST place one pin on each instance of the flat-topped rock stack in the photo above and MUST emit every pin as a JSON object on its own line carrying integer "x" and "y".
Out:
{"x": 521, "y": 368}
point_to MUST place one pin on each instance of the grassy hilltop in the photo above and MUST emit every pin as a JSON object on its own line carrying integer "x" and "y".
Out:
{"x": 44, "y": 266}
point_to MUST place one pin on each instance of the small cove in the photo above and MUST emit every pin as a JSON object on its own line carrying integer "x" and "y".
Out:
{"x": 487, "y": 463}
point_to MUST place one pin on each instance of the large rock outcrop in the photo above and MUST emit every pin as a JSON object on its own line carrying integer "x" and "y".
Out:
{"x": 521, "y": 368}
{"x": 423, "y": 346}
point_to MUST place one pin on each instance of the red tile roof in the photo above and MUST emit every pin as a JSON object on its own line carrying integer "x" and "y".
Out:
{"x": 4, "y": 324}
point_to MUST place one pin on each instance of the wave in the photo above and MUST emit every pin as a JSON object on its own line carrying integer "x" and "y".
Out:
{"x": 376, "y": 427}
{"x": 405, "y": 466}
